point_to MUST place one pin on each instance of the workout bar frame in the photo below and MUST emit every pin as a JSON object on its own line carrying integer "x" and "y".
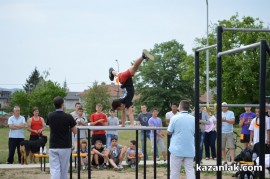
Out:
{"x": 233, "y": 105}
{"x": 246, "y": 30}
{"x": 142, "y": 128}
{"x": 263, "y": 49}
{"x": 197, "y": 101}
{"x": 240, "y": 49}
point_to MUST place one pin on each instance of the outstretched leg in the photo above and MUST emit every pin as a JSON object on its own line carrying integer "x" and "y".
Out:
{"x": 145, "y": 56}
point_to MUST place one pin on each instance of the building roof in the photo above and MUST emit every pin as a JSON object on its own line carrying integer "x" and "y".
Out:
{"x": 72, "y": 96}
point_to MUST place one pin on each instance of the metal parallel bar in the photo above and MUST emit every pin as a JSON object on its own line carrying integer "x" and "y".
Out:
{"x": 89, "y": 153}
{"x": 197, "y": 96}
{"x": 219, "y": 97}
{"x": 137, "y": 160}
{"x": 79, "y": 153}
{"x": 205, "y": 48}
{"x": 154, "y": 155}
{"x": 262, "y": 107}
{"x": 240, "y": 49}
{"x": 120, "y": 128}
{"x": 246, "y": 30}
{"x": 233, "y": 105}
{"x": 168, "y": 156}
{"x": 144, "y": 154}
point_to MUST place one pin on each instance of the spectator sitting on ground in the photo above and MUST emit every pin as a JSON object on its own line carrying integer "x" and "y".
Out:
{"x": 116, "y": 154}
{"x": 131, "y": 154}
{"x": 100, "y": 155}
{"x": 84, "y": 150}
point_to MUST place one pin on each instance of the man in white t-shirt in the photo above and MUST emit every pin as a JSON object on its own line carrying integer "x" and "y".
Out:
{"x": 255, "y": 129}
{"x": 171, "y": 113}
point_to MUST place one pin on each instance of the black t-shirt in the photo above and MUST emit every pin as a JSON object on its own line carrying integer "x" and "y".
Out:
{"x": 100, "y": 150}
{"x": 127, "y": 92}
{"x": 60, "y": 128}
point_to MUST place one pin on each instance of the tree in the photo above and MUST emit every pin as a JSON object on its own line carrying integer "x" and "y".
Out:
{"x": 43, "y": 96}
{"x": 97, "y": 94}
{"x": 159, "y": 83}
{"x": 240, "y": 73}
{"x": 32, "y": 81}
{"x": 20, "y": 98}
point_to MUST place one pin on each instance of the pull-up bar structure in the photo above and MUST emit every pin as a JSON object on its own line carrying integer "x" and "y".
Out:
{"x": 263, "y": 49}
{"x": 197, "y": 101}
{"x": 233, "y": 105}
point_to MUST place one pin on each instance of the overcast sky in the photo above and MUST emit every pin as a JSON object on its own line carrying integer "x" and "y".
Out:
{"x": 79, "y": 40}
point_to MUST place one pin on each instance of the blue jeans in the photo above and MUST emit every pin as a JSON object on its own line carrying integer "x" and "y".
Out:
{"x": 142, "y": 142}
{"x": 202, "y": 134}
{"x": 109, "y": 138}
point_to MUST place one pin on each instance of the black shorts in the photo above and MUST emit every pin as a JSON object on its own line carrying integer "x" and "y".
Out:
{"x": 245, "y": 138}
{"x": 100, "y": 161}
{"x": 101, "y": 137}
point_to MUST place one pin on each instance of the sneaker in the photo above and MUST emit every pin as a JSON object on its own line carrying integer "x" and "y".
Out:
{"x": 104, "y": 166}
{"x": 146, "y": 55}
{"x": 84, "y": 167}
{"x": 120, "y": 166}
{"x": 99, "y": 167}
{"x": 133, "y": 166}
{"x": 158, "y": 159}
{"x": 111, "y": 76}
{"x": 225, "y": 163}
{"x": 116, "y": 169}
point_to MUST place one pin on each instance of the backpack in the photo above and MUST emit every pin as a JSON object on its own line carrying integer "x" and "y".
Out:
{"x": 245, "y": 155}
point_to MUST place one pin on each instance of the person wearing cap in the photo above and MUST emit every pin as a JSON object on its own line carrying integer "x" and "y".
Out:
{"x": 228, "y": 120}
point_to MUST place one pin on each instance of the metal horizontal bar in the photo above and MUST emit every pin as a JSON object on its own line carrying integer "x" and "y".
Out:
{"x": 239, "y": 49}
{"x": 233, "y": 105}
{"x": 206, "y": 48}
{"x": 121, "y": 128}
{"x": 246, "y": 30}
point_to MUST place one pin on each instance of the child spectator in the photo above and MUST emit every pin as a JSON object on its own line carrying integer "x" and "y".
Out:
{"x": 131, "y": 154}
{"x": 112, "y": 121}
{"x": 99, "y": 119}
{"x": 155, "y": 121}
{"x": 116, "y": 154}
{"x": 81, "y": 121}
{"x": 100, "y": 155}
{"x": 84, "y": 150}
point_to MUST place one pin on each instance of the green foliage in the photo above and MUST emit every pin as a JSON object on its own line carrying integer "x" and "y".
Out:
{"x": 43, "y": 95}
{"x": 240, "y": 73}
{"x": 97, "y": 94}
{"x": 20, "y": 98}
{"x": 160, "y": 83}
{"x": 32, "y": 81}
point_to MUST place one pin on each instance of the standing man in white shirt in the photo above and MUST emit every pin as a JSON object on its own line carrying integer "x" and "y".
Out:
{"x": 182, "y": 128}
{"x": 16, "y": 125}
{"x": 255, "y": 129}
{"x": 171, "y": 113}
{"x": 228, "y": 120}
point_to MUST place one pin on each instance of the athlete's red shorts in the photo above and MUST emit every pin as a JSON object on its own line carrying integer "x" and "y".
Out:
{"x": 123, "y": 76}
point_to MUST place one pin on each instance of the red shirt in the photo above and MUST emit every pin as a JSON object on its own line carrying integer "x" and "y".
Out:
{"x": 36, "y": 125}
{"x": 96, "y": 116}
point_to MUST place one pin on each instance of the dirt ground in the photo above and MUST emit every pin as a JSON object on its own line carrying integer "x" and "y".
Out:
{"x": 35, "y": 173}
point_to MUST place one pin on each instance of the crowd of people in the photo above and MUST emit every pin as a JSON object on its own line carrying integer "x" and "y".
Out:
{"x": 106, "y": 150}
